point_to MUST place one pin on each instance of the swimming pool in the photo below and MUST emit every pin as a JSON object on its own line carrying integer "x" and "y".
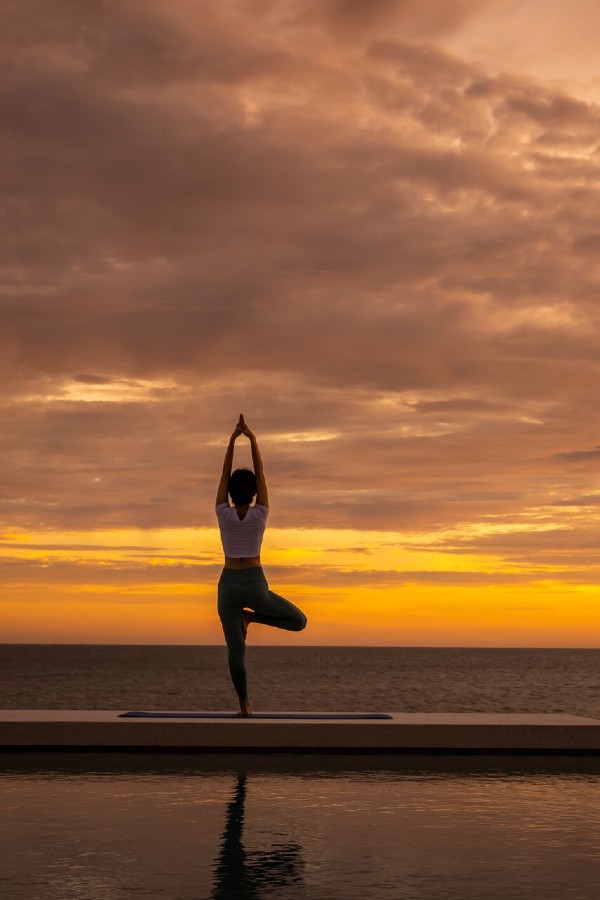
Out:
{"x": 184, "y": 828}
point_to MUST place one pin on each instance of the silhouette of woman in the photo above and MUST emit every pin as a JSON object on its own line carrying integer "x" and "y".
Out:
{"x": 244, "y": 596}
{"x": 242, "y": 875}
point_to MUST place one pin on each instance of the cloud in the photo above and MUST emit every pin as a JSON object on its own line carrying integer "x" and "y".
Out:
{"x": 579, "y": 455}
{"x": 567, "y": 553}
{"x": 414, "y": 19}
{"x": 541, "y": 38}
{"x": 586, "y": 500}
{"x": 202, "y": 571}
{"x": 362, "y": 234}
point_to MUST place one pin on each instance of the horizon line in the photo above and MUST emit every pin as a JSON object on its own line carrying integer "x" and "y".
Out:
{"x": 301, "y": 646}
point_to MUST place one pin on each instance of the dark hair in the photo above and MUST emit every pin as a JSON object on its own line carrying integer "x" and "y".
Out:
{"x": 242, "y": 486}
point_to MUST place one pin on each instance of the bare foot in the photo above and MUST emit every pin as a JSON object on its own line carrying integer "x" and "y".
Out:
{"x": 245, "y": 709}
{"x": 246, "y": 619}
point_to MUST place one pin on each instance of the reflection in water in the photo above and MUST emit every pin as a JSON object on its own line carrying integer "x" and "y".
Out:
{"x": 159, "y": 830}
{"x": 251, "y": 876}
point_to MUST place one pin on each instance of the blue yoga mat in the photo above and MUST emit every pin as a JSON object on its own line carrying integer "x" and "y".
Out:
{"x": 139, "y": 714}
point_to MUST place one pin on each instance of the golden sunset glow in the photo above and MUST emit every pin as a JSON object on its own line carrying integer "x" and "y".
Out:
{"x": 371, "y": 228}
{"x": 356, "y": 587}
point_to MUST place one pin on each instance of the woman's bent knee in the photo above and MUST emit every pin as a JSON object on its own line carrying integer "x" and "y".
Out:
{"x": 301, "y": 623}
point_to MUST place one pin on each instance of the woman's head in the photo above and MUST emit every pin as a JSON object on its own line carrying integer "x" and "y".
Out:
{"x": 242, "y": 486}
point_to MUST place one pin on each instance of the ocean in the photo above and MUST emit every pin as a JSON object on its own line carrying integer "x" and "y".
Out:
{"x": 194, "y": 827}
{"x": 395, "y": 679}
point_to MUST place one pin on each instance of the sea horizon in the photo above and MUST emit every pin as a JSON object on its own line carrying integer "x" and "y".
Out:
{"x": 303, "y": 646}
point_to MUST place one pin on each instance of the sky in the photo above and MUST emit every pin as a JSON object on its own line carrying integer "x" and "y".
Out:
{"x": 372, "y": 228}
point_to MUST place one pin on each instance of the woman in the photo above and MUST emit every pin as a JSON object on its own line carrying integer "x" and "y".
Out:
{"x": 244, "y": 594}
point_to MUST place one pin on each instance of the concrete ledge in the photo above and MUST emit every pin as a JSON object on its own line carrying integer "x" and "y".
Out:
{"x": 65, "y": 730}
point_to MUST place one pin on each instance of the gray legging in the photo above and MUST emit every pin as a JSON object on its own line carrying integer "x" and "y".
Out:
{"x": 248, "y": 589}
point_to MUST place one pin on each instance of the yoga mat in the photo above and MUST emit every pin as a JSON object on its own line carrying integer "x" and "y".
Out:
{"x": 140, "y": 714}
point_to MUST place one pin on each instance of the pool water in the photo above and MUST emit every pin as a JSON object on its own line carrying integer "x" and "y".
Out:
{"x": 150, "y": 827}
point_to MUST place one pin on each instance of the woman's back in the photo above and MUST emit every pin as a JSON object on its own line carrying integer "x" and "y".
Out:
{"x": 242, "y": 537}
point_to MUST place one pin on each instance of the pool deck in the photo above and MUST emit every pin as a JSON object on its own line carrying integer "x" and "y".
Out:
{"x": 415, "y": 733}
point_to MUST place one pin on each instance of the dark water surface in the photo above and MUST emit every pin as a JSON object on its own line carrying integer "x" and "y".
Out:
{"x": 396, "y": 679}
{"x": 103, "y": 826}
{"x": 352, "y": 834}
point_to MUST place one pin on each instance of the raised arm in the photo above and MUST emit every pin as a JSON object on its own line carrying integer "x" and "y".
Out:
{"x": 262, "y": 495}
{"x": 227, "y": 465}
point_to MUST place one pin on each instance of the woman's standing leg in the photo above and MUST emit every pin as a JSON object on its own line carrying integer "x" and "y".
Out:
{"x": 230, "y": 606}
{"x": 248, "y": 589}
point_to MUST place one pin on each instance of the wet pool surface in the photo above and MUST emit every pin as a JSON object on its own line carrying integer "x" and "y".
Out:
{"x": 187, "y": 829}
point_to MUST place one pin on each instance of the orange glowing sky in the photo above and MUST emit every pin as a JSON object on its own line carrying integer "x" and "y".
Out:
{"x": 370, "y": 226}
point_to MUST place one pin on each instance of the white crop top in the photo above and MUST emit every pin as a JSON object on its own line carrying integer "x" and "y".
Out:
{"x": 242, "y": 537}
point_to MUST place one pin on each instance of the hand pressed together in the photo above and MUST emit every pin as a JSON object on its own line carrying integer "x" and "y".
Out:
{"x": 242, "y": 428}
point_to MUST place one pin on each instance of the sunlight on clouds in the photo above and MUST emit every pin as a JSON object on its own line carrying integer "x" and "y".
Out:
{"x": 10, "y": 536}
{"x": 409, "y": 612}
{"x": 99, "y": 390}
{"x": 315, "y": 551}
{"x": 296, "y": 437}
{"x": 178, "y": 545}
{"x": 385, "y": 551}
{"x": 469, "y": 530}
{"x": 119, "y": 264}
{"x": 120, "y": 391}
{"x": 254, "y": 105}
{"x": 560, "y": 316}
